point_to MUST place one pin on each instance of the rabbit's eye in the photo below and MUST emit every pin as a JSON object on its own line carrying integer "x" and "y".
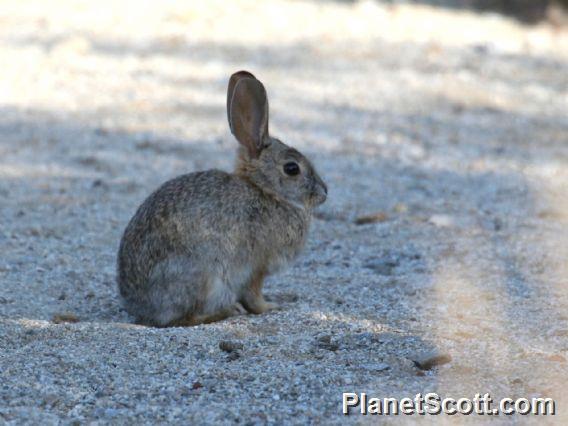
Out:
{"x": 291, "y": 168}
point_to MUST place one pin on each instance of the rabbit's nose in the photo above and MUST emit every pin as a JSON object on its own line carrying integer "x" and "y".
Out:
{"x": 320, "y": 192}
{"x": 321, "y": 184}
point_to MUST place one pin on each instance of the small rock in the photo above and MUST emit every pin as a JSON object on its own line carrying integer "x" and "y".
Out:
{"x": 497, "y": 224}
{"x": 401, "y": 208}
{"x": 100, "y": 131}
{"x": 325, "y": 342}
{"x": 457, "y": 108}
{"x": 62, "y": 296}
{"x": 373, "y": 218}
{"x": 50, "y": 400}
{"x": 364, "y": 339}
{"x": 379, "y": 366}
{"x": 481, "y": 48}
{"x": 556, "y": 358}
{"x": 429, "y": 360}
{"x": 98, "y": 183}
{"x": 329, "y": 216}
{"x": 442, "y": 220}
{"x": 382, "y": 266}
{"x": 230, "y": 346}
{"x": 233, "y": 356}
{"x": 64, "y": 318}
{"x": 284, "y": 298}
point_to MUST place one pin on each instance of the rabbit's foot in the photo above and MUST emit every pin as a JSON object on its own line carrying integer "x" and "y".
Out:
{"x": 238, "y": 309}
{"x": 256, "y": 304}
{"x": 192, "y": 319}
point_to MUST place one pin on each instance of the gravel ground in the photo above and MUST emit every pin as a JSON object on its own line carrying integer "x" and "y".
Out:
{"x": 450, "y": 129}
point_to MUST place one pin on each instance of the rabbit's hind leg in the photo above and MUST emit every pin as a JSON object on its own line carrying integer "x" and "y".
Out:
{"x": 192, "y": 319}
{"x": 180, "y": 294}
{"x": 173, "y": 291}
{"x": 218, "y": 302}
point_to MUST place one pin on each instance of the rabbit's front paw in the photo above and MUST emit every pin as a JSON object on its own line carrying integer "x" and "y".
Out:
{"x": 271, "y": 306}
{"x": 256, "y": 304}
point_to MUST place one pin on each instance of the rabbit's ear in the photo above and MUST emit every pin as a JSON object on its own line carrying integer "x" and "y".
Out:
{"x": 248, "y": 114}
{"x": 231, "y": 89}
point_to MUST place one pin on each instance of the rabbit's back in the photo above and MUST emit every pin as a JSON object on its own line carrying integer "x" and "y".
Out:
{"x": 183, "y": 215}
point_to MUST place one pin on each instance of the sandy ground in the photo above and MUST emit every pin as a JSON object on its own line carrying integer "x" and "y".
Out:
{"x": 451, "y": 128}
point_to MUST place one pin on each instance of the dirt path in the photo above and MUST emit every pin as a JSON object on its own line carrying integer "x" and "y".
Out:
{"x": 451, "y": 128}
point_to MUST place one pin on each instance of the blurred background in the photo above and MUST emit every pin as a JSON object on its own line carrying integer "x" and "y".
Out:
{"x": 529, "y": 11}
{"x": 441, "y": 128}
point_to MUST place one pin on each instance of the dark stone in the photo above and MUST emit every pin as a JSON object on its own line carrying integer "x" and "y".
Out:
{"x": 428, "y": 360}
{"x": 64, "y": 318}
{"x": 382, "y": 266}
{"x": 373, "y": 218}
{"x": 230, "y": 346}
{"x": 325, "y": 342}
{"x": 233, "y": 356}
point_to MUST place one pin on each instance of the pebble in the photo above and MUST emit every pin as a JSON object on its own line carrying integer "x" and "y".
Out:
{"x": 379, "y": 366}
{"x": 230, "y": 346}
{"x": 442, "y": 220}
{"x": 373, "y": 218}
{"x": 556, "y": 358}
{"x": 382, "y": 266}
{"x": 233, "y": 356}
{"x": 401, "y": 208}
{"x": 66, "y": 317}
{"x": 325, "y": 342}
{"x": 285, "y": 297}
{"x": 428, "y": 360}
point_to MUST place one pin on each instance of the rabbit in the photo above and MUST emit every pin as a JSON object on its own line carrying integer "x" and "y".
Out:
{"x": 199, "y": 248}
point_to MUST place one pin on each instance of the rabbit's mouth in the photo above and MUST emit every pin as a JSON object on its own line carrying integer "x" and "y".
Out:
{"x": 319, "y": 194}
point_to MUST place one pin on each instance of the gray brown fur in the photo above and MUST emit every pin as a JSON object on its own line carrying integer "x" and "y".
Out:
{"x": 204, "y": 242}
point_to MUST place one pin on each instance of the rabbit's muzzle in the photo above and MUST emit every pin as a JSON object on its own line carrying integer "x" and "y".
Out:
{"x": 318, "y": 193}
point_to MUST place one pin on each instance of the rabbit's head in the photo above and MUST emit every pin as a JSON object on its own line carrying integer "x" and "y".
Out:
{"x": 265, "y": 161}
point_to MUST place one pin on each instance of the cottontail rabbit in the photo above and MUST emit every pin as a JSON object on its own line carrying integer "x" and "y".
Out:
{"x": 204, "y": 242}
